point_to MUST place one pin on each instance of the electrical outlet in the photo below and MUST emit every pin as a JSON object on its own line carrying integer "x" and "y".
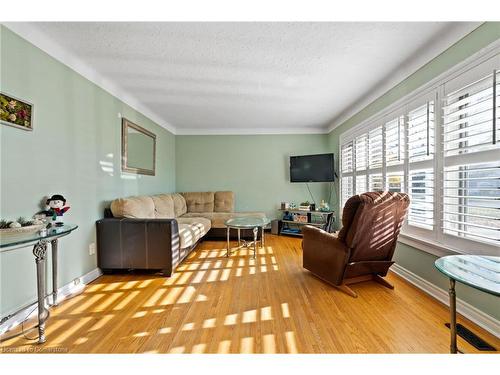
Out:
{"x": 92, "y": 248}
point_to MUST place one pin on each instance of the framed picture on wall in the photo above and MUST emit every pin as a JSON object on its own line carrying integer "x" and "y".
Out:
{"x": 15, "y": 112}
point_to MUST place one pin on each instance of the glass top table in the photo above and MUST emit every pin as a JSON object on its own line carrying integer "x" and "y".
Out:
{"x": 15, "y": 240}
{"x": 479, "y": 272}
{"x": 247, "y": 222}
{"x": 39, "y": 240}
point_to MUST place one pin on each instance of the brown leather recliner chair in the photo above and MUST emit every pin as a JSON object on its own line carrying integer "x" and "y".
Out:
{"x": 365, "y": 245}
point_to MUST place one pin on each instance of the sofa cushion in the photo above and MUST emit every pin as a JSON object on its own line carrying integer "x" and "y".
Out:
{"x": 218, "y": 219}
{"x": 140, "y": 207}
{"x": 164, "y": 206}
{"x": 199, "y": 201}
{"x": 223, "y": 201}
{"x": 179, "y": 204}
{"x": 191, "y": 230}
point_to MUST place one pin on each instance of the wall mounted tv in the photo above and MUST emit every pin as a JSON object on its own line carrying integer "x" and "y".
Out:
{"x": 312, "y": 168}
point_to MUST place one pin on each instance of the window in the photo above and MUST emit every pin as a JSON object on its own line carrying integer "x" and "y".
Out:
{"x": 442, "y": 147}
{"x": 471, "y": 186}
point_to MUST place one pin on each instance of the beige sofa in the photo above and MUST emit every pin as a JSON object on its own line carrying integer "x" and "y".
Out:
{"x": 159, "y": 231}
{"x": 196, "y": 212}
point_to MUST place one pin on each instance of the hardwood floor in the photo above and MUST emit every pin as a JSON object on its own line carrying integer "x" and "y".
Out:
{"x": 215, "y": 304}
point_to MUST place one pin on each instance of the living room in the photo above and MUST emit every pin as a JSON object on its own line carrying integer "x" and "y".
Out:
{"x": 249, "y": 187}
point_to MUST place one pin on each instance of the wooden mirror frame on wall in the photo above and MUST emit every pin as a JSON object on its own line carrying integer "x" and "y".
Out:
{"x": 125, "y": 167}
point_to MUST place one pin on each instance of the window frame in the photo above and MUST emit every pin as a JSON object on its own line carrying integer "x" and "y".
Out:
{"x": 434, "y": 241}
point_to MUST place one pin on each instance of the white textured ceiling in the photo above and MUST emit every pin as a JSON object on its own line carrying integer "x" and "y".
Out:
{"x": 250, "y": 77}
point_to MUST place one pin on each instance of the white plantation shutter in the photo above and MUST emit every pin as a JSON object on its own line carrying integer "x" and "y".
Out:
{"x": 347, "y": 158}
{"x": 471, "y": 184}
{"x": 361, "y": 152}
{"x": 361, "y": 184}
{"x": 421, "y": 192}
{"x": 421, "y": 132}
{"x": 347, "y": 167}
{"x": 395, "y": 145}
{"x": 361, "y": 163}
{"x": 375, "y": 182}
{"x": 347, "y": 189}
{"x": 468, "y": 117}
{"x": 375, "y": 151}
{"x": 472, "y": 201}
{"x": 375, "y": 159}
{"x": 396, "y": 182}
{"x": 421, "y": 150}
{"x": 394, "y": 140}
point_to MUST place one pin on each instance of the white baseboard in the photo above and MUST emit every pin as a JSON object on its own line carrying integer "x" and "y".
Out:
{"x": 63, "y": 292}
{"x": 475, "y": 315}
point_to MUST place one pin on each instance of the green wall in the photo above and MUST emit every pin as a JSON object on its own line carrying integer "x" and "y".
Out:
{"x": 74, "y": 150}
{"x": 255, "y": 167}
{"x": 417, "y": 261}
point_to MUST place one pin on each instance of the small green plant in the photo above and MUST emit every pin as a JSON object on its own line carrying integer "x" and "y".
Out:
{"x": 306, "y": 203}
{"x": 24, "y": 222}
{"x": 4, "y": 224}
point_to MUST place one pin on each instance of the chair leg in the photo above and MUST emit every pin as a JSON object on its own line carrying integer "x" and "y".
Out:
{"x": 379, "y": 279}
{"x": 344, "y": 288}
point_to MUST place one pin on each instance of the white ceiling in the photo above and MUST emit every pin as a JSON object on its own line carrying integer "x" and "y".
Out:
{"x": 230, "y": 78}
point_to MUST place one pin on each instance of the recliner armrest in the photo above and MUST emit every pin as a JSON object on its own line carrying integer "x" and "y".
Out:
{"x": 324, "y": 254}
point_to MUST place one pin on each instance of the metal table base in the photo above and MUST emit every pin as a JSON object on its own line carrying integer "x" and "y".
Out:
{"x": 40, "y": 253}
{"x": 244, "y": 243}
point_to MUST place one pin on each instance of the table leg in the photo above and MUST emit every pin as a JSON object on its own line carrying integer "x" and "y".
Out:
{"x": 262, "y": 239}
{"x": 239, "y": 237}
{"x": 40, "y": 252}
{"x": 54, "y": 271}
{"x": 227, "y": 254}
{"x": 255, "y": 231}
{"x": 453, "y": 317}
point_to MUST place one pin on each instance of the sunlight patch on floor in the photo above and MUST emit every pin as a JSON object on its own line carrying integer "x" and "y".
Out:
{"x": 291, "y": 345}
{"x": 246, "y": 345}
{"x": 128, "y": 299}
{"x": 285, "y": 312}
{"x": 269, "y": 344}
{"x": 101, "y": 323}
{"x": 249, "y": 316}
{"x": 231, "y": 319}
{"x": 209, "y": 323}
{"x": 266, "y": 313}
{"x": 224, "y": 347}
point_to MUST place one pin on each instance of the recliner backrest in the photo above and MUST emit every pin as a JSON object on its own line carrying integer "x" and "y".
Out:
{"x": 371, "y": 224}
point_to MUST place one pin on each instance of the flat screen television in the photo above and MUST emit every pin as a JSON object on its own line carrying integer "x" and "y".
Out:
{"x": 312, "y": 168}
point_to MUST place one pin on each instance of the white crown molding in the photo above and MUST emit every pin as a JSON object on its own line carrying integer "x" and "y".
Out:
{"x": 66, "y": 291}
{"x": 253, "y": 131}
{"x": 35, "y": 36}
{"x": 475, "y": 315}
{"x": 433, "y": 50}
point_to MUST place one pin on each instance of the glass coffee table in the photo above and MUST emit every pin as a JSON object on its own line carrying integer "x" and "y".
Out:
{"x": 479, "y": 272}
{"x": 247, "y": 222}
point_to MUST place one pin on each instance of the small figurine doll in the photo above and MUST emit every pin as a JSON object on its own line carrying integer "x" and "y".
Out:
{"x": 56, "y": 209}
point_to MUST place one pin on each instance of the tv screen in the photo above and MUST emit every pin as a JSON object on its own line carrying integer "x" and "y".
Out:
{"x": 311, "y": 168}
